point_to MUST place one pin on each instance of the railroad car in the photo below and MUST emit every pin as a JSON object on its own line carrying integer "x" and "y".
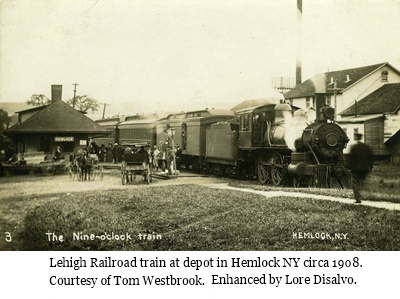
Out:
{"x": 110, "y": 124}
{"x": 140, "y": 129}
{"x": 223, "y": 159}
{"x": 193, "y": 134}
{"x": 190, "y": 133}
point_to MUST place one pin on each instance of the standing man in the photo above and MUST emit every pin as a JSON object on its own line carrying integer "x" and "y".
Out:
{"x": 178, "y": 156}
{"x": 114, "y": 151}
{"x": 360, "y": 164}
{"x": 102, "y": 153}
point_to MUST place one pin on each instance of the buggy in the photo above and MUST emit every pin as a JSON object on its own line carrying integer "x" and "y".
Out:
{"x": 135, "y": 164}
{"x": 84, "y": 167}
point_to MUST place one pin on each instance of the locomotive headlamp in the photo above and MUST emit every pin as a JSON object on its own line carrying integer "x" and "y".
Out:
{"x": 329, "y": 112}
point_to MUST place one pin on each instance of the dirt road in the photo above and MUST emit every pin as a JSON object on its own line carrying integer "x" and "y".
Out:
{"x": 24, "y": 185}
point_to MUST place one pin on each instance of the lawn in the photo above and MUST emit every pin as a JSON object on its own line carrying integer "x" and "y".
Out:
{"x": 382, "y": 184}
{"x": 189, "y": 217}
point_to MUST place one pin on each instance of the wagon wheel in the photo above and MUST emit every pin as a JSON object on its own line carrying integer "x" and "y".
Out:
{"x": 264, "y": 174}
{"x": 101, "y": 172}
{"x": 277, "y": 169}
{"x": 48, "y": 170}
{"x": 64, "y": 168}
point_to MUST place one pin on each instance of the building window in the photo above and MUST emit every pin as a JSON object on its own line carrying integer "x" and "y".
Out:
{"x": 384, "y": 76}
{"x": 244, "y": 122}
{"x": 329, "y": 100}
{"x": 308, "y": 102}
{"x": 355, "y": 130}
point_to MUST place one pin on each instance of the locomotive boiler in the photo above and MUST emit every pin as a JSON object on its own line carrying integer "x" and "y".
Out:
{"x": 318, "y": 157}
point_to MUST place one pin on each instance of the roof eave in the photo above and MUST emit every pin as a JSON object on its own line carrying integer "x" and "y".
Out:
{"x": 362, "y": 78}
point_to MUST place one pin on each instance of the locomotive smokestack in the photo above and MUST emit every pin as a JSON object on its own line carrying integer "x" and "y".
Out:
{"x": 319, "y": 82}
{"x": 56, "y": 92}
{"x": 299, "y": 37}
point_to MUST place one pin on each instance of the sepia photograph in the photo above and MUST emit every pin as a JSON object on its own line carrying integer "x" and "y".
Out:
{"x": 243, "y": 125}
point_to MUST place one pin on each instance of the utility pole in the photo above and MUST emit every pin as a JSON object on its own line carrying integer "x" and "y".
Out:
{"x": 104, "y": 108}
{"x": 335, "y": 89}
{"x": 73, "y": 102}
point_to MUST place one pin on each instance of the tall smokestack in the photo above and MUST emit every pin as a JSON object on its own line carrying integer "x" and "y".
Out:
{"x": 299, "y": 38}
{"x": 319, "y": 81}
{"x": 56, "y": 92}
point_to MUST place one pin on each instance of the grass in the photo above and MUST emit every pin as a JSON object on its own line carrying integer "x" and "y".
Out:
{"x": 382, "y": 184}
{"x": 192, "y": 217}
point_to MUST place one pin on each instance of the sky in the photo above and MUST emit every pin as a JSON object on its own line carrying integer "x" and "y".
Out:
{"x": 175, "y": 55}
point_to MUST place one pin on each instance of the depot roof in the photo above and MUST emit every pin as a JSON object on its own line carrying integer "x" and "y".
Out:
{"x": 57, "y": 118}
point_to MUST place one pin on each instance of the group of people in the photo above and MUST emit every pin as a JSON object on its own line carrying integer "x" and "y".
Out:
{"x": 159, "y": 156}
{"x": 165, "y": 154}
{"x": 12, "y": 157}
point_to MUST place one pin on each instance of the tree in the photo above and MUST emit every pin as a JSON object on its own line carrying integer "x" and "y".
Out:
{"x": 38, "y": 100}
{"x": 5, "y": 121}
{"x": 84, "y": 103}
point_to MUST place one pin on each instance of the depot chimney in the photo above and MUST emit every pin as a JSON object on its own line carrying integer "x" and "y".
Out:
{"x": 56, "y": 93}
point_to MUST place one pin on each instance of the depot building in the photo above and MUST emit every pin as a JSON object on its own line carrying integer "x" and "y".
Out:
{"x": 40, "y": 130}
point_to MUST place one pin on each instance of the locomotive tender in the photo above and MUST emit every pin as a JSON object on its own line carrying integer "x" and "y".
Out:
{"x": 275, "y": 142}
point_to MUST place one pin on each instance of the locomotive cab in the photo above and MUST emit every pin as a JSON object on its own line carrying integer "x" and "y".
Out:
{"x": 254, "y": 122}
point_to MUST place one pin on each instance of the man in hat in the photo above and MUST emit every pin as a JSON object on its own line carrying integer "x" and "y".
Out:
{"x": 178, "y": 156}
{"x": 360, "y": 164}
{"x": 57, "y": 154}
{"x": 114, "y": 151}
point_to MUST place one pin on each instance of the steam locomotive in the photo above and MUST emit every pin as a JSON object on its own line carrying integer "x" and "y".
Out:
{"x": 275, "y": 142}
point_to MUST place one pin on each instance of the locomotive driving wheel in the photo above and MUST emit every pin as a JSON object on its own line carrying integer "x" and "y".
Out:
{"x": 277, "y": 168}
{"x": 264, "y": 174}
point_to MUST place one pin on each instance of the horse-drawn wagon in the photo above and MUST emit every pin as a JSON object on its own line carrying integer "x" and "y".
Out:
{"x": 135, "y": 164}
{"x": 84, "y": 166}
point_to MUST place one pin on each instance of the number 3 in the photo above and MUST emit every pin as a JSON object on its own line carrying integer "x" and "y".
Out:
{"x": 8, "y": 237}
